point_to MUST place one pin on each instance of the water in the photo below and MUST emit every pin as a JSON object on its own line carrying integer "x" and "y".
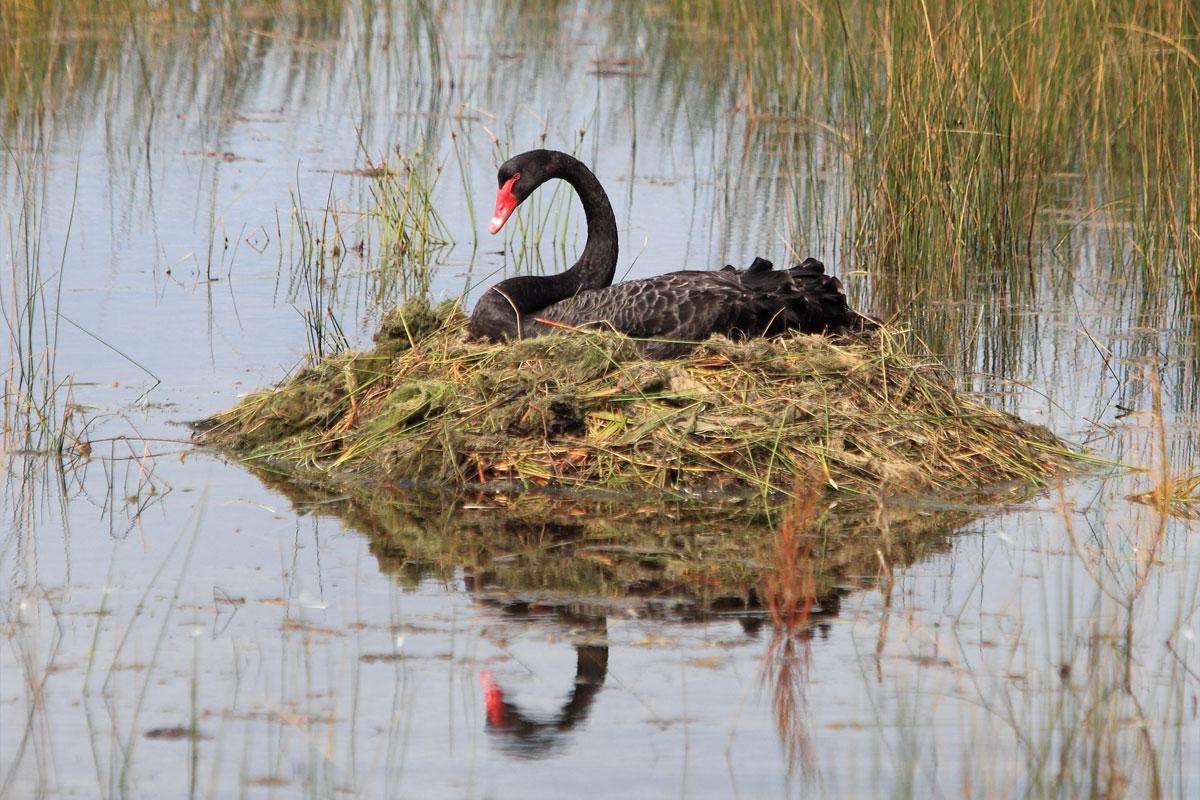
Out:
{"x": 155, "y": 589}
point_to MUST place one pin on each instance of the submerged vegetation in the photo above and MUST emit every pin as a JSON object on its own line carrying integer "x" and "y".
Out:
{"x": 860, "y": 415}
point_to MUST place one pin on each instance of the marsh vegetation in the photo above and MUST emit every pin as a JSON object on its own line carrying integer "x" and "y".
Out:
{"x": 202, "y": 199}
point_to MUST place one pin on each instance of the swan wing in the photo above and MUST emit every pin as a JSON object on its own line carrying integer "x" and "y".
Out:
{"x": 668, "y": 305}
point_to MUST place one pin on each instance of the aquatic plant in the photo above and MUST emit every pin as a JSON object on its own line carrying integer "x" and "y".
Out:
{"x": 410, "y": 229}
{"x": 952, "y": 151}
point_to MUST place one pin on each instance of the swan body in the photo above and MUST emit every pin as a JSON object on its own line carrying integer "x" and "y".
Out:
{"x": 673, "y": 311}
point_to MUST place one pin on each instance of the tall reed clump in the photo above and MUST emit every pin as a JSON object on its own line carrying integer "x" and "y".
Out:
{"x": 38, "y": 415}
{"x": 318, "y": 252}
{"x": 974, "y": 136}
{"x": 411, "y": 231}
{"x": 399, "y": 234}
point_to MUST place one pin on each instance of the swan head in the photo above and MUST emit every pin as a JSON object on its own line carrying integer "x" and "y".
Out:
{"x": 518, "y": 177}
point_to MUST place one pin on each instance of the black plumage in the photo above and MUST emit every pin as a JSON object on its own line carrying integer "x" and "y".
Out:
{"x": 676, "y": 310}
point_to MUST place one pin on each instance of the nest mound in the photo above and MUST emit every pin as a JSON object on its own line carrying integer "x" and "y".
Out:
{"x": 857, "y": 415}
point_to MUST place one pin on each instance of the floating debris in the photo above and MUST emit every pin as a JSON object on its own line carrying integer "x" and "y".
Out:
{"x": 175, "y": 733}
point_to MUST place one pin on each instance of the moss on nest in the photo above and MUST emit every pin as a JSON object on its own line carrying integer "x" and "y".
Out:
{"x": 858, "y": 415}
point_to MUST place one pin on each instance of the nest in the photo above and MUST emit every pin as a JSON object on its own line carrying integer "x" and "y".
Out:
{"x": 855, "y": 416}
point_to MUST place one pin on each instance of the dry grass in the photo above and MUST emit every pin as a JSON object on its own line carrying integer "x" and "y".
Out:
{"x": 1177, "y": 496}
{"x": 586, "y": 411}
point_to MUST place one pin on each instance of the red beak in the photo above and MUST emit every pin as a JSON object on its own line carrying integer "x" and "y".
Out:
{"x": 506, "y": 201}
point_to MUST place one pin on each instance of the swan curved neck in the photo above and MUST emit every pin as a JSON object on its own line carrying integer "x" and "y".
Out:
{"x": 597, "y": 263}
{"x": 500, "y": 313}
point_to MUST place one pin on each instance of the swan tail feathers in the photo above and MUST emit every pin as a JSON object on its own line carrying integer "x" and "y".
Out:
{"x": 802, "y": 298}
{"x": 760, "y": 264}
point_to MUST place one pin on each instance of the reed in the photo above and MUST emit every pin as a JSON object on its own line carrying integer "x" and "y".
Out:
{"x": 319, "y": 251}
{"x": 411, "y": 232}
{"x": 957, "y": 145}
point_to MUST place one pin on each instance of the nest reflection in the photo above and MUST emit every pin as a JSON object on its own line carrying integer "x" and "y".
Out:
{"x": 572, "y": 563}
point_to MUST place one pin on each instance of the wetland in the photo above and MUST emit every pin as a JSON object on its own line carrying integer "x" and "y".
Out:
{"x": 205, "y": 199}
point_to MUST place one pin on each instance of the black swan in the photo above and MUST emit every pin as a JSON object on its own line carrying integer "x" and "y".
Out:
{"x": 676, "y": 310}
